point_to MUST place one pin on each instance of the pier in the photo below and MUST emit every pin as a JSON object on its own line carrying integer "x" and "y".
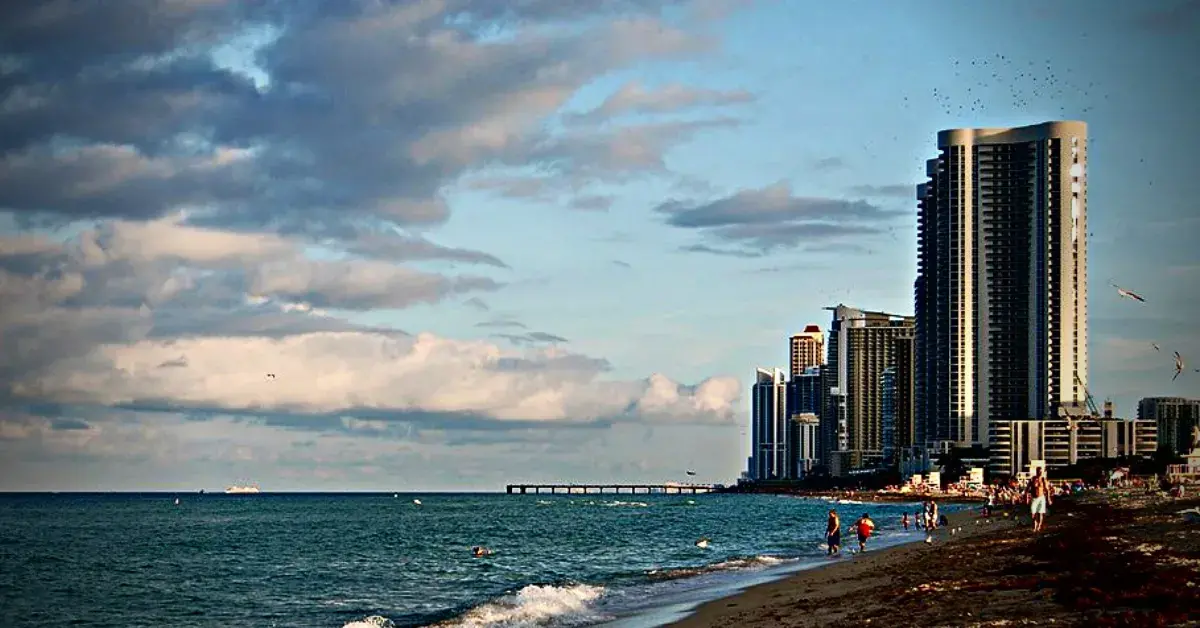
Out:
{"x": 593, "y": 489}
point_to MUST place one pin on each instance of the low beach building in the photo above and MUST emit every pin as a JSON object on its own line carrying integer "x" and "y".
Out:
{"x": 1064, "y": 442}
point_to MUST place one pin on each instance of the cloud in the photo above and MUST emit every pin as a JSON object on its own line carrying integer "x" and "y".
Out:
{"x": 593, "y": 203}
{"x": 477, "y": 303}
{"x": 501, "y": 323}
{"x": 900, "y": 190}
{"x": 232, "y": 186}
{"x": 827, "y": 164}
{"x": 366, "y": 111}
{"x": 636, "y": 98}
{"x": 347, "y": 372}
{"x": 533, "y": 337}
{"x": 758, "y": 221}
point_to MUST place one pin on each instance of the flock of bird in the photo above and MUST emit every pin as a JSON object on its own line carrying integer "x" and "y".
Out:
{"x": 1180, "y": 366}
{"x": 1031, "y": 84}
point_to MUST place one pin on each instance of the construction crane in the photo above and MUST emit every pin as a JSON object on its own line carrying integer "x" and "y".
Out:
{"x": 1087, "y": 395}
{"x": 1069, "y": 413}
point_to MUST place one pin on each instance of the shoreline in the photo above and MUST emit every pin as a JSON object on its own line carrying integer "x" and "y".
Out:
{"x": 677, "y": 608}
{"x": 728, "y": 609}
{"x": 1076, "y": 572}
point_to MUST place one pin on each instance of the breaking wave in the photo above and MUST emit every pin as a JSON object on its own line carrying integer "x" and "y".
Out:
{"x": 535, "y": 605}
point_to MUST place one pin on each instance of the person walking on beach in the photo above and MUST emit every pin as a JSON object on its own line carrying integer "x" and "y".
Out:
{"x": 864, "y": 526}
{"x": 1039, "y": 491}
{"x": 833, "y": 533}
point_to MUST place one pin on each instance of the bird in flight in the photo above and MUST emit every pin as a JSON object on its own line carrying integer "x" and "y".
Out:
{"x": 1178, "y": 366}
{"x": 1156, "y": 347}
{"x": 1128, "y": 294}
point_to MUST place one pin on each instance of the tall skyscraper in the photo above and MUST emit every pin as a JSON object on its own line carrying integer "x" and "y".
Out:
{"x": 1001, "y": 294}
{"x": 807, "y": 349}
{"x": 861, "y": 346}
{"x": 769, "y": 425}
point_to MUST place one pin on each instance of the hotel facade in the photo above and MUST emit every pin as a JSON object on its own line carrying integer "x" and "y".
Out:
{"x": 1001, "y": 293}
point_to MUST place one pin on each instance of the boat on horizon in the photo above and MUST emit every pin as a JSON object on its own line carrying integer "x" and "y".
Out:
{"x": 242, "y": 490}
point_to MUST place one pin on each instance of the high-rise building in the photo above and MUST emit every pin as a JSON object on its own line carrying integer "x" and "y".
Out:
{"x": 805, "y": 396}
{"x": 769, "y": 425}
{"x": 905, "y": 435}
{"x": 1001, "y": 294}
{"x": 1175, "y": 417}
{"x": 807, "y": 348}
{"x": 861, "y": 346}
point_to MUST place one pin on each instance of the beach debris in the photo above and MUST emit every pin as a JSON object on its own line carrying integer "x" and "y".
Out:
{"x": 1128, "y": 294}
{"x": 1178, "y": 366}
{"x": 270, "y": 376}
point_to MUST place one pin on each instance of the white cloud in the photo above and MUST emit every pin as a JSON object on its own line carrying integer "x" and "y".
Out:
{"x": 330, "y": 373}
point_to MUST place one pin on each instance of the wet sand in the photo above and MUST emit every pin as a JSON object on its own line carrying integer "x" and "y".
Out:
{"x": 1104, "y": 559}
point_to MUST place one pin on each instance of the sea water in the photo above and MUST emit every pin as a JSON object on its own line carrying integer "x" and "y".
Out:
{"x": 355, "y": 560}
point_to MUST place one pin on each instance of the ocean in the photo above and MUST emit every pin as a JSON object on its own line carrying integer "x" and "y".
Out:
{"x": 359, "y": 560}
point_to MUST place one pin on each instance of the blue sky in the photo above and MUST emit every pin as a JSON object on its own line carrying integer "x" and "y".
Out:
{"x": 376, "y": 197}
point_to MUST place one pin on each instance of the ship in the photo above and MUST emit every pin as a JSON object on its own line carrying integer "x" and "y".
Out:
{"x": 241, "y": 490}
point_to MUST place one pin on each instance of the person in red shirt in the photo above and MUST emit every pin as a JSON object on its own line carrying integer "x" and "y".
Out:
{"x": 864, "y": 526}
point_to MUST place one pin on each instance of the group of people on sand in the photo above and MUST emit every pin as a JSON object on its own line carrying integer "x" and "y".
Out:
{"x": 833, "y": 532}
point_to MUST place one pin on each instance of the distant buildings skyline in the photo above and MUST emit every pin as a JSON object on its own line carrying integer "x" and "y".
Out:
{"x": 995, "y": 353}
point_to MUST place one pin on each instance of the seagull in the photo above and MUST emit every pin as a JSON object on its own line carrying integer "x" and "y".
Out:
{"x": 702, "y": 543}
{"x": 689, "y": 472}
{"x": 1178, "y": 366}
{"x": 1128, "y": 294}
{"x": 417, "y": 502}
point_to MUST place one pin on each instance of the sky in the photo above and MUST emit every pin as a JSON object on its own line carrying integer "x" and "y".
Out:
{"x": 452, "y": 244}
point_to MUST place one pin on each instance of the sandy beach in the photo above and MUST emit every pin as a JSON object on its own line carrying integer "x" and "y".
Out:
{"x": 1104, "y": 559}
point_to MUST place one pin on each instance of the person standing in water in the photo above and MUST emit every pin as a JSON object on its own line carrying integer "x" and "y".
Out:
{"x": 833, "y": 533}
{"x": 904, "y": 521}
{"x": 1039, "y": 490}
{"x": 864, "y": 526}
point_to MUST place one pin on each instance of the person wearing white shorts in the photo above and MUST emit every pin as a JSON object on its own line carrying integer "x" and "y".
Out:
{"x": 1039, "y": 491}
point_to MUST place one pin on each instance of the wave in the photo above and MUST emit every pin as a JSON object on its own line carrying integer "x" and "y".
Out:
{"x": 732, "y": 564}
{"x": 535, "y": 605}
{"x": 374, "y": 621}
{"x": 609, "y": 503}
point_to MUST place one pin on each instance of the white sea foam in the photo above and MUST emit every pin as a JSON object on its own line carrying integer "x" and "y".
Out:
{"x": 732, "y": 564}
{"x": 535, "y": 605}
{"x": 374, "y": 621}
